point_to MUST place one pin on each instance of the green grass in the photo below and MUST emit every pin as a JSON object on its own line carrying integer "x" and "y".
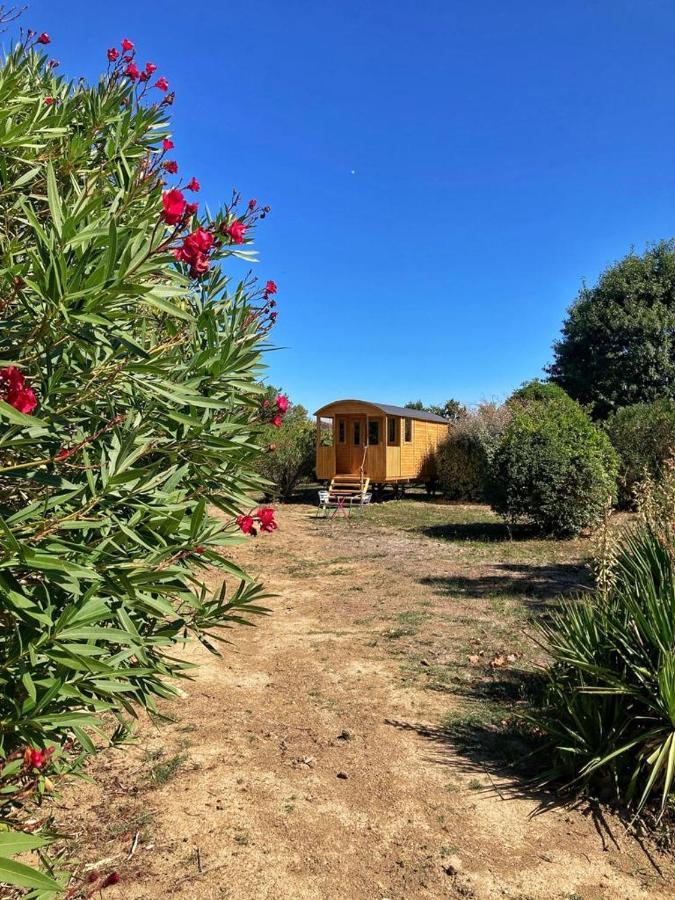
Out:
{"x": 164, "y": 771}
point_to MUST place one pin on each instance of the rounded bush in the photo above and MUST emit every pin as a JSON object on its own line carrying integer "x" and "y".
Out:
{"x": 463, "y": 459}
{"x": 643, "y": 435}
{"x": 553, "y": 466}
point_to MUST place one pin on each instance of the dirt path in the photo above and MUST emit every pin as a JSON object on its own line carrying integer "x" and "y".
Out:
{"x": 285, "y": 776}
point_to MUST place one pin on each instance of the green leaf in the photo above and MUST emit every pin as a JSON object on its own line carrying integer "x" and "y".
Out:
{"x": 24, "y": 876}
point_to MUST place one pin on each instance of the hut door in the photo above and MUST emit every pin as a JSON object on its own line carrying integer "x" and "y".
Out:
{"x": 358, "y": 441}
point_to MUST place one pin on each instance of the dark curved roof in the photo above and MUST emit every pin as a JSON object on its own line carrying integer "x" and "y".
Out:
{"x": 389, "y": 410}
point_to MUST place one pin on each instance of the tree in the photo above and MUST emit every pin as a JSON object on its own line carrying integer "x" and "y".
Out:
{"x": 290, "y": 450}
{"x": 618, "y": 341}
{"x": 552, "y": 466}
{"x": 452, "y": 409}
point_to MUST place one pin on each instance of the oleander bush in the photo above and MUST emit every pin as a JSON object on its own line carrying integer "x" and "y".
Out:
{"x": 552, "y": 467}
{"x": 464, "y": 458}
{"x": 290, "y": 451}
{"x": 130, "y": 369}
{"x": 643, "y": 435}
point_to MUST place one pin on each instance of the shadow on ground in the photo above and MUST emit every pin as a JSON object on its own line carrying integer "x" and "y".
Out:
{"x": 481, "y": 531}
{"x": 508, "y": 762}
{"x": 539, "y": 582}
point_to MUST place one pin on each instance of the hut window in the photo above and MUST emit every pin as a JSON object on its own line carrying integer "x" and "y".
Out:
{"x": 408, "y": 431}
{"x": 374, "y": 431}
{"x": 341, "y": 431}
{"x": 357, "y": 433}
{"x": 392, "y": 436}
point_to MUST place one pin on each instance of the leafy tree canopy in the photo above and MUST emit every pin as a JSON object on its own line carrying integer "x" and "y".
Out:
{"x": 618, "y": 341}
{"x": 452, "y": 409}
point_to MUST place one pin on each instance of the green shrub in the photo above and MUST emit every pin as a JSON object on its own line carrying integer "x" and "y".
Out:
{"x": 609, "y": 705}
{"x": 552, "y": 466}
{"x": 129, "y": 388}
{"x": 464, "y": 458}
{"x": 644, "y": 437}
{"x": 290, "y": 450}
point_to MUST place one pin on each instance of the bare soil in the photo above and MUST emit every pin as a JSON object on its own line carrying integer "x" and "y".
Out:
{"x": 320, "y": 757}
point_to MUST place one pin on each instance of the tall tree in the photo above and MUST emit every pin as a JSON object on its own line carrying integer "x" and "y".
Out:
{"x": 452, "y": 409}
{"x": 618, "y": 341}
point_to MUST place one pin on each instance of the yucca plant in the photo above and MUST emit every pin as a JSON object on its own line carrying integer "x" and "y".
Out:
{"x": 609, "y": 704}
{"x": 130, "y": 372}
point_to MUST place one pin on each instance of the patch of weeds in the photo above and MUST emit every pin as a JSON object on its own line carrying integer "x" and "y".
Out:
{"x": 187, "y": 727}
{"x": 393, "y": 634}
{"x": 167, "y": 769}
{"x": 152, "y": 755}
{"x": 475, "y": 785}
{"x": 448, "y": 851}
{"x": 242, "y": 838}
{"x": 489, "y": 731}
{"x": 139, "y": 821}
{"x": 412, "y": 618}
{"x": 356, "y": 587}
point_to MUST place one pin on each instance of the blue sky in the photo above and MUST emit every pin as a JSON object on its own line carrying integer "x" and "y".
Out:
{"x": 442, "y": 174}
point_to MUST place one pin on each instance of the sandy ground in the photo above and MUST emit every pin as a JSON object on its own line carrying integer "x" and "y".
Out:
{"x": 305, "y": 764}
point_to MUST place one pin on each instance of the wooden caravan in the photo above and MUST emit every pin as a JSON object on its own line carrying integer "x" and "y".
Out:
{"x": 387, "y": 444}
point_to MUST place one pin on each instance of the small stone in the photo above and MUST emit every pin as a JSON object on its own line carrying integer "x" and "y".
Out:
{"x": 344, "y": 735}
{"x": 342, "y": 775}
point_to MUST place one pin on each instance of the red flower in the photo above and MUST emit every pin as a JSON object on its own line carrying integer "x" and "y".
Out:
{"x": 247, "y": 524}
{"x": 143, "y": 76}
{"x": 113, "y": 878}
{"x": 162, "y": 84}
{"x": 127, "y": 45}
{"x": 171, "y": 166}
{"x": 236, "y": 231}
{"x": 150, "y": 68}
{"x": 194, "y": 251}
{"x": 271, "y": 287}
{"x": 265, "y": 516}
{"x": 167, "y": 144}
{"x": 34, "y": 759}
{"x": 199, "y": 241}
{"x": 191, "y": 208}
{"x": 200, "y": 549}
{"x": 282, "y": 403}
{"x": 44, "y": 38}
{"x": 49, "y": 101}
{"x": 174, "y": 206}
{"x": 193, "y": 185}
{"x": 113, "y": 54}
{"x": 266, "y": 404}
{"x": 13, "y": 390}
{"x": 132, "y": 72}
{"x": 277, "y": 421}
{"x": 24, "y": 400}
{"x": 252, "y": 204}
